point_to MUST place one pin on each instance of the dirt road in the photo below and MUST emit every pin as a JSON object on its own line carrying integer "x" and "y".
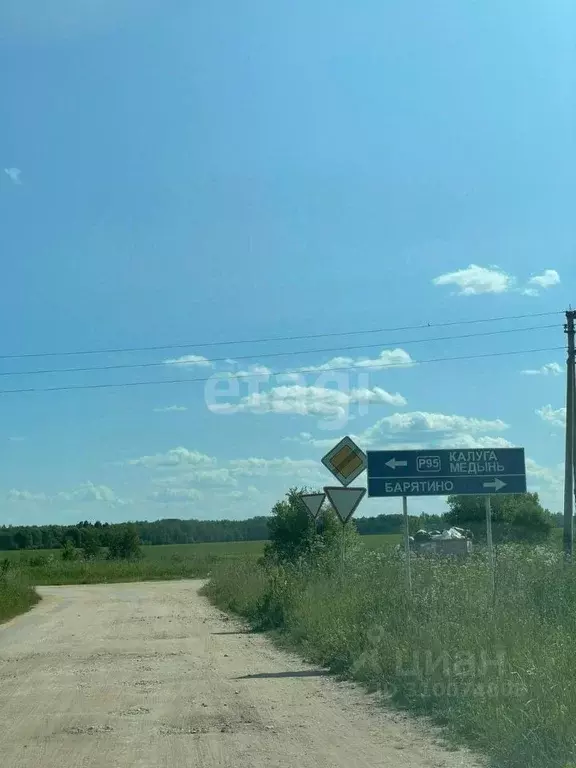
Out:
{"x": 152, "y": 676}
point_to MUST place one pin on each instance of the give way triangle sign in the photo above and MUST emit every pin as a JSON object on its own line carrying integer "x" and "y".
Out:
{"x": 344, "y": 500}
{"x": 313, "y": 502}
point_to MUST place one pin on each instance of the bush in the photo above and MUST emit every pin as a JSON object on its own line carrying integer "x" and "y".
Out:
{"x": 125, "y": 544}
{"x": 69, "y": 551}
{"x": 296, "y": 538}
{"x": 515, "y": 517}
{"x": 90, "y": 544}
{"x": 39, "y": 561}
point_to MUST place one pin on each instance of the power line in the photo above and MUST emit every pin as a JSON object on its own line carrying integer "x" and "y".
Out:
{"x": 227, "y": 377}
{"x": 197, "y": 345}
{"x": 205, "y": 361}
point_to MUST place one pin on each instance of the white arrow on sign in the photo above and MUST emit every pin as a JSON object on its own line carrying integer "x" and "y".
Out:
{"x": 345, "y": 500}
{"x": 393, "y": 463}
{"x": 313, "y": 502}
{"x": 496, "y": 484}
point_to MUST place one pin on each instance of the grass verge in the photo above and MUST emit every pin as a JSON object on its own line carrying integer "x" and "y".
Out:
{"x": 46, "y": 567}
{"x": 499, "y": 677}
{"x": 16, "y": 596}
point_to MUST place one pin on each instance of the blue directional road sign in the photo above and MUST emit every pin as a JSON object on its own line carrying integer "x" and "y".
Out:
{"x": 462, "y": 472}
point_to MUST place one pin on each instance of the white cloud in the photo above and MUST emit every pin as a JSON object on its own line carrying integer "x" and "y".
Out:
{"x": 379, "y": 434}
{"x": 419, "y": 421}
{"x": 175, "y": 495}
{"x": 552, "y": 476}
{"x": 250, "y": 493}
{"x": 309, "y": 401}
{"x": 387, "y": 358}
{"x": 556, "y": 416}
{"x": 15, "y": 495}
{"x": 390, "y": 446}
{"x": 547, "y": 279}
{"x": 217, "y": 477}
{"x": 257, "y": 467}
{"x": 370, "y": 436}
{"x": 377, "y": 395}
{"x": 189, "y": 361}
{"x": 476, "y": 280}
{"x": 301, "y": 437}
{"x": 548, "y": 369}
{"x": 473, "y": 441}
{"x": 289, "y": 377}
{"x": 14, "y": 174}
{"x": 174, "y": 458}
{"x": 305, "y": 438}
{"x": 171, "y": 409}
{"x": 85, "y": 492}
{"x": 252, "y": 370}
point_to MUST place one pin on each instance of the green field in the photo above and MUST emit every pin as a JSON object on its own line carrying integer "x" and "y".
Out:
{"x": 162, "y": 552}
{"x": 211, "y": 551}
{"x": 171, "y": 561}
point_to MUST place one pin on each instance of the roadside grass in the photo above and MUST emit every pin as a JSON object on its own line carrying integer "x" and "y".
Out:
{"x": 16, "y": 595}
{"x": 498, "y": 677}
{"x": 46, "y": 567}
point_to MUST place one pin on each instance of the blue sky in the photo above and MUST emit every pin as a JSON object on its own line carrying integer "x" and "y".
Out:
{"x": 179, "y": 175}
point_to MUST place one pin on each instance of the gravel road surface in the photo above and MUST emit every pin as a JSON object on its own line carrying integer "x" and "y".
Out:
{"x": 150, "y": 675}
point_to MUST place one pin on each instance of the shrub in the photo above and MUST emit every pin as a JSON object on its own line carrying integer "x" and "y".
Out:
{"x": 69, "y": 551}
{"x": 38, "y": 561}
{"x": 296, "y": 538}
{"x": 125, "y": 544}
{"x": 90, "y": 544}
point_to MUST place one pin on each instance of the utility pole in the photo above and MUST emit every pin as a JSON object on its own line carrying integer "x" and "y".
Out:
{"x": 570, "y": 456}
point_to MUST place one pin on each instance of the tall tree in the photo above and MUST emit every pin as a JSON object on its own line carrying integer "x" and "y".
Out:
{"x": 515, "y": 517}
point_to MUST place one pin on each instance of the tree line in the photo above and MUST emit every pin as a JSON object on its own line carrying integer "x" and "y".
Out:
{"x": 170, "y": 531}
{"x": 515, "y": 512}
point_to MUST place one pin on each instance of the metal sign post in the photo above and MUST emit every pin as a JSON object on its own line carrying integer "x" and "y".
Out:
{"x": 407, "y": 546}
{"x": 345, "y": 461}
{"x": 344, "y": 502}
{"x": 490, "y": 546}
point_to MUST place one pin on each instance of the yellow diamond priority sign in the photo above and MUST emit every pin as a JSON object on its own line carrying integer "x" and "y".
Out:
{"x": 346, "y": 461}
